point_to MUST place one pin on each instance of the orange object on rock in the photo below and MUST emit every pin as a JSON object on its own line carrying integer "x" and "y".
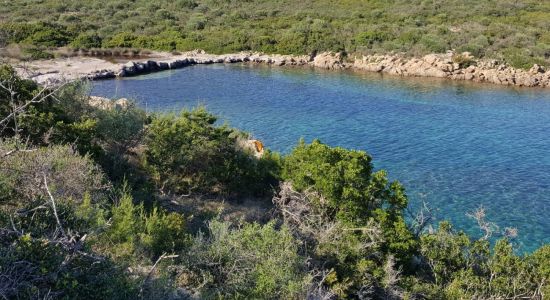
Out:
{"x": 259, "y": 146}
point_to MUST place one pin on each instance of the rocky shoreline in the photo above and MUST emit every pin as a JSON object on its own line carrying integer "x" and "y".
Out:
{"x": 450, "y": 65}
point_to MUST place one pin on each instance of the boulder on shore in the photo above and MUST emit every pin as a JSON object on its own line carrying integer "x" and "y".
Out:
{"x": 108, "y": 104}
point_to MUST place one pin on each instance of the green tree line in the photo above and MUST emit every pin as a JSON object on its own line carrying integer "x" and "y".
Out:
{"x": 514, "y": 31}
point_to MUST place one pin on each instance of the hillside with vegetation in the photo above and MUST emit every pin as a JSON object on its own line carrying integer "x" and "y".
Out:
{"x": 514, "y": 31}
{"x": 89, "y": 212}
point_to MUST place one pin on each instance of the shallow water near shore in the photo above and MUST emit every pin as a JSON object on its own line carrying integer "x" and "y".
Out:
{"x": 456, "y": 145}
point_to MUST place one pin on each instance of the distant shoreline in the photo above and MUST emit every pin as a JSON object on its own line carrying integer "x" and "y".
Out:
{"x": 450, "y": 66}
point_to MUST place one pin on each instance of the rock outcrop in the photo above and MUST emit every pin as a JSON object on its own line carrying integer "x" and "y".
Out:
{"x": 107, "y": 104}
{"x": 254, "y": 147}
{"x": 329, "y": 60}
{"x": 134, "y": 68}
{"x": 445, "y": 66}
{"x": 450, "y": 65}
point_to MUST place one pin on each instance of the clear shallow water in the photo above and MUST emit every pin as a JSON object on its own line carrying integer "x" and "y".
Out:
{"x": 456, "y": 145}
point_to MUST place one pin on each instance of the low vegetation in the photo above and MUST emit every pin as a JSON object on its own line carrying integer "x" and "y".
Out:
{"x": 91, "y": 212}
{"x": 515, "y": 31}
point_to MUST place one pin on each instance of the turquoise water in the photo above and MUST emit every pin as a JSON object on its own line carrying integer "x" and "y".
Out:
{"x": 456, "y": 145}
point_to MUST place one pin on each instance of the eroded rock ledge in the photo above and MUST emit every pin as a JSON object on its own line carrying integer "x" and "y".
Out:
{"x": 442, "y": 66}
{"x": 433, "y": 65}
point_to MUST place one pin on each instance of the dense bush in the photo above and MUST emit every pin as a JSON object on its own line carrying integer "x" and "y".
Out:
{"x": 67, "y": 116}
{"x": 33, "y": 268}
{"x": 135, "y": 233}
{"x": 464, "y": 269}
{"x": 123, "y": 39}
{"x": 39, "y": 34}
{"x": 51, "y": 37}
{"x": 86, "y": 41}
{"x": 69, "y": 175}
{"x": 21, "y": 91}
{"x": 43, "y": 246}
{"x": 129, "y": 122}
{"x": 348, "y": 193}
{"x": 189, "y": 153}
{"x": 59, "y": 116}
{"x": 369, "y": 38}
{"x": 345, "y": 179}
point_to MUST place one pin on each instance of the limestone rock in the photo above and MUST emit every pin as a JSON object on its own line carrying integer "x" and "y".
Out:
{"x": 107, "y": 104}
{"x": 255, "y": 147}
{"x": 536, "y": 69}
{"x": 432, "y": 65}
{"x": 328, "y": 60}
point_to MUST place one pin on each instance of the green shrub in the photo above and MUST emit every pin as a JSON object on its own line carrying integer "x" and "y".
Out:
{"x": 250, "y": 262}
{"x": 46, "y": 251}
{"x": 371, "y": 37}
{"x": 520, "y": 58}
{"x": 186, "y": 4}
{"x": 86, "y": 41}
{"x": 433, "y": 44}
{"x": 164, "y": 233}
{"x": 67, "y": 117}
{"x": 538, "y": 260}
{"x": 41, "y": 34}
{"x": 197, "y": 21}
{"x": 49, "y": 37}
{"x": 444, "y": 252}
{"x": 31, "y": 268}
{"x": 476, "y": 46}
{"x": 345, "y": 179}
{"x": 120, "y": 40}
{"x": 129, "y": 123}
{"x": 69, "y": 175}
{"x": 62, "y": 117}
{"x": 166, "y": 41}
{"x": 17, "y": 32}
{"x": 263, "y": 43}
{"x": 189, "y": 153}
{"x": 410, "y": 37}
{"x": 365, "y": 207}
{"x": 23, "y": 90}
{"x": 135, "y": 232}
{"x": 308, "y": 36}
{"x": 37, "y": 53}
{"x": 461, "y": 268}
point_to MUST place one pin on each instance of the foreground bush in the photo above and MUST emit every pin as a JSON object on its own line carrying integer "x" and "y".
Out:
{"x": 461, "y": 268}
{"x": 57, "y": 115}
{"x": 348, "y": 261}
{"x": 135, "y": 232}
{"x": 51, "y": 209}
{"x": 349, "y": 190}
{"x": 25, "y": 172}
{"x": 37, "y": 268}
{"x": 251, "y": 262}
{"x": 350, "y": 216}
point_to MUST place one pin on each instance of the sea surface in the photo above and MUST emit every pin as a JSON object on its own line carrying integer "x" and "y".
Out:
{"x": 455, "y": 145}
